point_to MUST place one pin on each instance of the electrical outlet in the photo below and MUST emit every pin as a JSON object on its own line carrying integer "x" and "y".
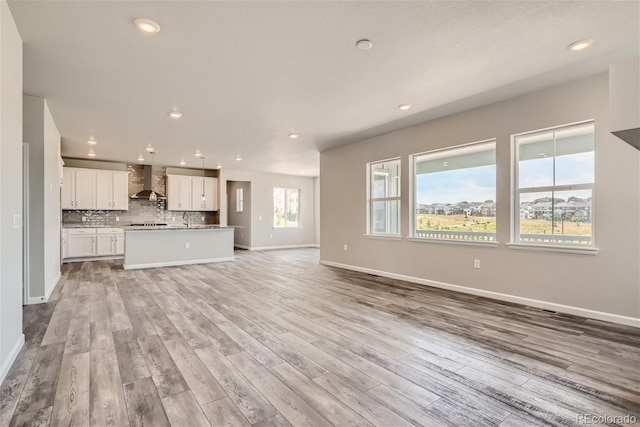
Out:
{"x": 84, "y": 218}
{"x": 186, "y": 246}
{"x": 202, "y": 218}
{"x": 259, "y": 217}
{"x": 345, "y": 246}
{"x": 271, "y": 236}
{"x": 476, "y": 263}
{"x": 117, "y": 218}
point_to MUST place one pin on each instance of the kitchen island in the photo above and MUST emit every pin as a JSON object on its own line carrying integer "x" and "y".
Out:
{"x": 162, "y": 246}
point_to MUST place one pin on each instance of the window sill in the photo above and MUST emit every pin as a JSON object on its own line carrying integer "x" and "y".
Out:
{"x": 454, "y": 242}
{"x": 554, "y": 248}
{"x": 384, "y": 236}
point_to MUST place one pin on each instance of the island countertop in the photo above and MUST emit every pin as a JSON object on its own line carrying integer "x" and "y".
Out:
{"x": 175, "y": 227}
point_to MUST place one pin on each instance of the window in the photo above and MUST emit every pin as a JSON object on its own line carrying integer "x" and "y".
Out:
{"x": 554, "y": 177}
{"x": 239, "y": 199}
{"x": 383, "y": 197}
{"x": 455, "y": 193}
{"x": 286, "y": 207}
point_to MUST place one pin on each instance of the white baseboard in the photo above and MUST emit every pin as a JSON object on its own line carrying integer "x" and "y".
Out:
{"x": 269, "y": 248}
{"x": 52, "y": 287}
{"x": 174, "y": 263}
{"x": 6, "y": 366}
{"x": 561, "y": 308}
{"x": 93, "y": 258}
{"x": 44, "y": 299}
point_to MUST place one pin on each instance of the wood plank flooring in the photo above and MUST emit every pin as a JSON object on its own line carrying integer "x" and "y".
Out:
{"x": 275, "y": 339}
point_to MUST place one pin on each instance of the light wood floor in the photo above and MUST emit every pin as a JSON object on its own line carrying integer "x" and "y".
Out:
{"x": 275, "y": 339}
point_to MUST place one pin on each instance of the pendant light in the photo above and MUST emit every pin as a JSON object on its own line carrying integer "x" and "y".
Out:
{"x": 153, "y": 196}
{"x": 203, "y": 197}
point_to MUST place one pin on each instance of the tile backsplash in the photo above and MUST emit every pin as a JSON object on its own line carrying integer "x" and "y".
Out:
{"x": 140, "y": 211}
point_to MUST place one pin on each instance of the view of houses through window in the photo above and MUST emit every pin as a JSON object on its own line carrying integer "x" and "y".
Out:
{"x": 455, "y": 193}
{"x": 554, "y": 188}
{"x": 286, "y": 207}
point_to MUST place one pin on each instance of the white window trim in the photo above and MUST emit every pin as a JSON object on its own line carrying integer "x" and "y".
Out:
{"x": 239, "y": 200}
{"x": 488, "y": 244}
{"x": 284, "y": 227}
{"x": 514, "y": 243}
{"x": 412, "y": 198}
{"x": 383, "y": 236}
{"x": 369, "y": 201}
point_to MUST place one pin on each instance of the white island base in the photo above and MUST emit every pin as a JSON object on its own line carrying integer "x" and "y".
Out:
{"x": 161, "y": 247}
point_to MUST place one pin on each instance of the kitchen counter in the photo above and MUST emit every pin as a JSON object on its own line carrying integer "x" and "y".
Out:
{"x": 175, "y": 227}
{"x": 168, "y": 245}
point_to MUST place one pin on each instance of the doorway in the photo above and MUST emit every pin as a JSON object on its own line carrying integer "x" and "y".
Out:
{"x": 239, "y": 212}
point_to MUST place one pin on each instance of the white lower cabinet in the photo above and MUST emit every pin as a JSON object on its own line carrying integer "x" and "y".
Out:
{"x": 81, "y": 242}
{"x": 92, "y": 242}
{"x": 110, "y": 241}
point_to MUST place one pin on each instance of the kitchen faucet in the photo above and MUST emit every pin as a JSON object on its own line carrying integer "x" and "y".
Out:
{"x": 187, "y": 215}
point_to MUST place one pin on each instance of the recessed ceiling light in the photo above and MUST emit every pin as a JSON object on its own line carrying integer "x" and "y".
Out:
{"x": 92, "y": 141}
{"x": 219, "y": 166}
{"x": 149, "y": 148}
{"x": 175, "y": 114}
{"x": 364, "y": 44}
{"x": 140, "y": 158}
{"x": 91, "y": 154}
{"x": 404, "y": 107}
{"x": 147, "y": 26}
{"x": 293, "y": 135}
{"x": 580, "y": 44}
{"x": 197, "y": 154}
{"x": 543, "y": 154}
{"x": 238, "y": 158}
{"x": 182, "y": 162}
{"x": 445, "y": 164}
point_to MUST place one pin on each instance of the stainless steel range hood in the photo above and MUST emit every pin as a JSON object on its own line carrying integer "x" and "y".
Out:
{"x": 147, "y": 186}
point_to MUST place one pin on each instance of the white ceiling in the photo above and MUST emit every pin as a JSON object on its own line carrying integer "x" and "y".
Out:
{"x": 246, "y": 74}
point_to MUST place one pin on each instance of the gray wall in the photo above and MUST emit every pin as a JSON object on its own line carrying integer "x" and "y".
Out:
{"x": 42, "y": 135}
{"x": 608, "y": 282}
{"x": 11, "y": 337}
{"x": 242, "y": 220}
{"x": 263, "y": 234}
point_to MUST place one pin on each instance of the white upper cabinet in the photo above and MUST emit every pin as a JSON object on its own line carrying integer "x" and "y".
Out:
{"x": 210, "y": 194}
{"x": 68, "y": 192}
{"x": 178, "y": 193}
{"x": 184, "y": 193}
{"x": 112, "y": 190}
{"x": 94, "y": 189}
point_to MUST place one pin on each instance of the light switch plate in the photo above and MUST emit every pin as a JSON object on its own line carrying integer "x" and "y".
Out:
{"x": 16, "y": 221}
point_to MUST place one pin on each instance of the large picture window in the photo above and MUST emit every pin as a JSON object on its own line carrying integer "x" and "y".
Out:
{"x": 286, "y": 207}
{"x": 554, "y": 178}
{"x": 383, "y": 197}
{"x": 454, "y": 195}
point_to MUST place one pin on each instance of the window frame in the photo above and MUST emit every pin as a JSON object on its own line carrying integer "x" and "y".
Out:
{"x": 240, "y": 200}
{"x": 371, "y": 200}
{"x": 414, "y": 198}
{"x": 286, "y": 208}
{"x": 516, "y": 191}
